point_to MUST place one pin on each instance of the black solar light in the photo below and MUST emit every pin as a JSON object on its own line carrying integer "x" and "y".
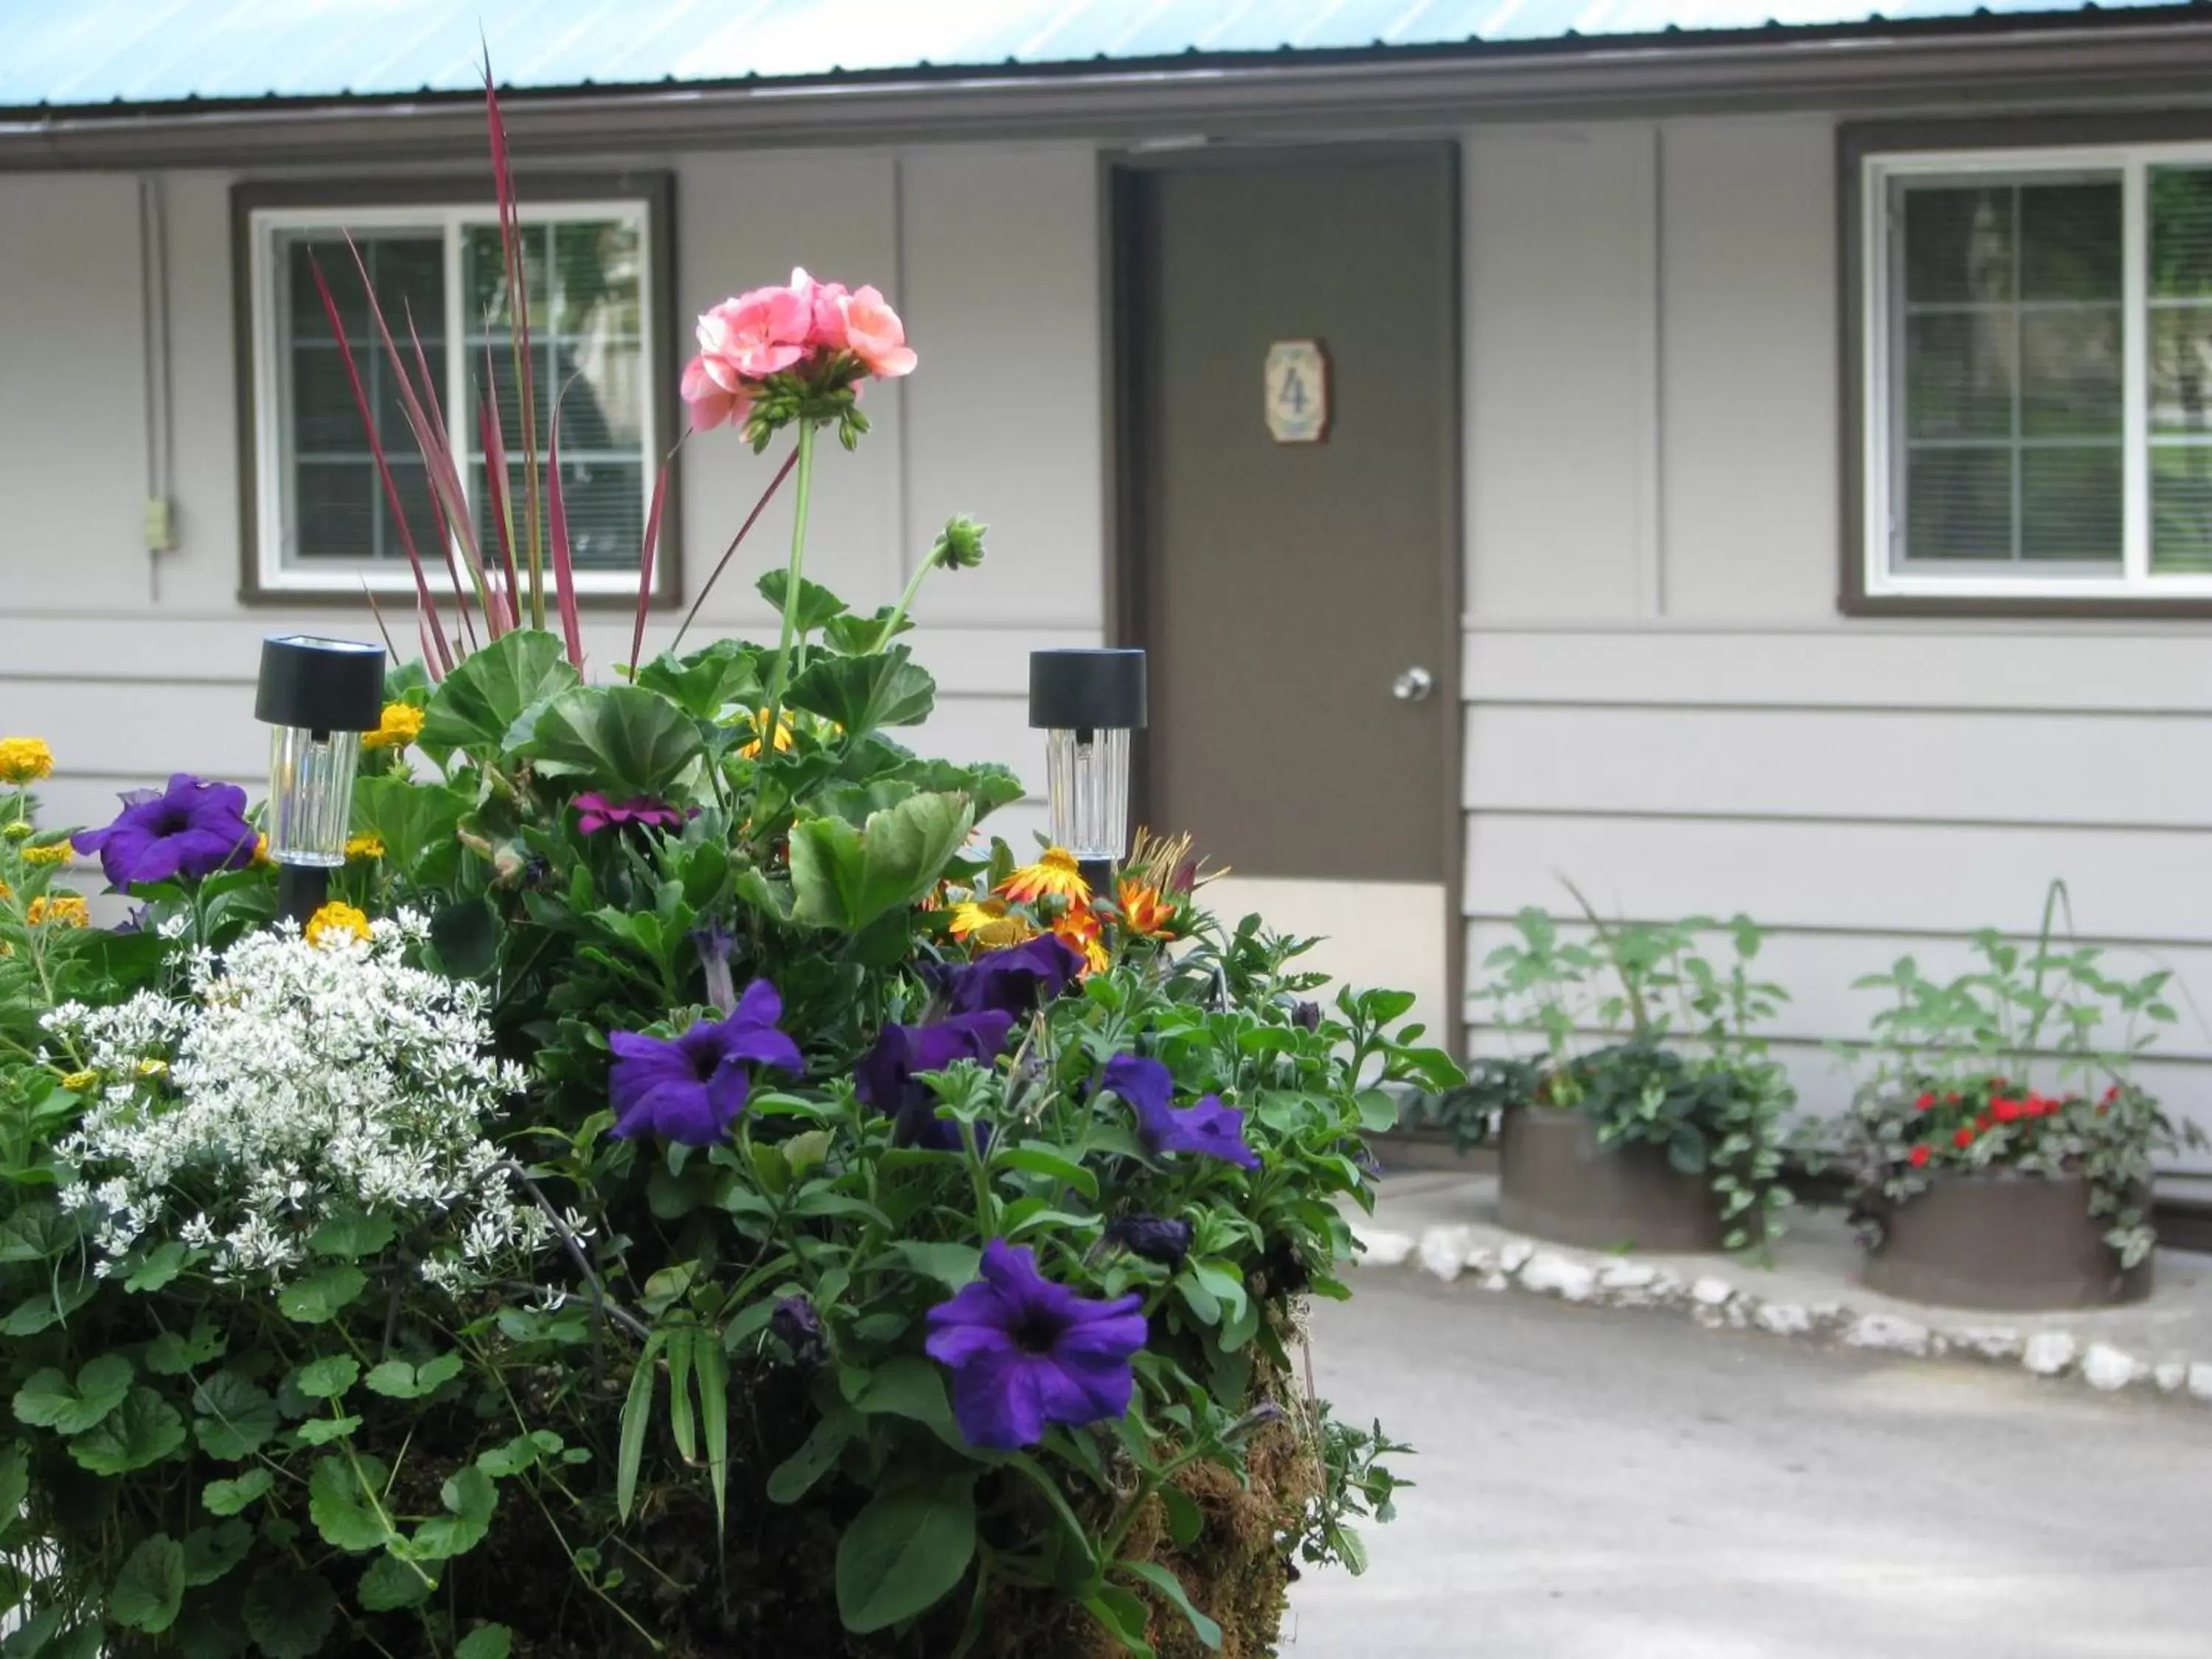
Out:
{"x": 1087, "y": 703}
{"x": 318, "y": 696}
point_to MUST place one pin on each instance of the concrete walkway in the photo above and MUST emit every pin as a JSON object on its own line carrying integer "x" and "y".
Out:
{"x": 1612, "y": 1484}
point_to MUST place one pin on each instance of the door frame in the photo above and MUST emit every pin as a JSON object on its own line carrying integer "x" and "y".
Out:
{"x": 1121, "y": 253}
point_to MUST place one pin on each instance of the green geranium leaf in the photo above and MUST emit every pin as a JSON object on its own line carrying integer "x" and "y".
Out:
{"x": 343, "y": 1510}
{"x": 472, "y": 1498}
{"x": 161, "y": 1264}
{"x": 350, "y": 1238}
{"x": 705, "y": 684}
{"x": 234, "y": 1496}
{"x": 329, "y": 1377}
{"x": 863, "y": 694}
{"x": 143, "y": 1431}
{"x": 49, "y": 1400}
{"x": 321, "y": 1431}
{"x": 623, "y": 739}
{"x": 149, "y": 1589}
{"x": 904, "y": 1552}
{"x": 486, "y": 694}
{"x": 856, "y": 636}
{"x": 415, "y": 822}
{"x": 390, "y": 1584}
{"x": 236, "y": 1417}
{"x": 397, "y": 1380}
{"x": 844, "y": 878}
{"x": 485, "y": 1642}
{"x": 211, "y": 1552}
{"x": 317, "y": 1299}
{"x": 817, "y": 604}
{"x": 171, "y": 1354}
{"x": 291, "y": 1614}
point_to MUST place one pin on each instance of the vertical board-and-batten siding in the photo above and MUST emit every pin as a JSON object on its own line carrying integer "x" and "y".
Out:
{"x": 1663, "y": 702}
{"x": 133, "y": 667}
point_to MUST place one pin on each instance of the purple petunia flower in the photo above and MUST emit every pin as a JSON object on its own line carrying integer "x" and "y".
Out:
{"x": 595, "y": 812}
{"x": 1024, "y": 1352}
{"x": 888, "y": 1076}
{"x": 1154, "y": 1237}
{"x": 1014, "y": 981}
{"x": 192, "y": 828}
{"x": 690, "y": 1089}
{"x": 1209, "y": 1128}
{"x": 798, "y": 1328}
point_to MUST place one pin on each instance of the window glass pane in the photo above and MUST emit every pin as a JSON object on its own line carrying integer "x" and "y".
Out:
{"x": 2181, "y": 507}
{"x": 2070, "y": 503}
{"x": 587, "y": 348}
{"x": 1958, "y": 244}
{"x": 2008, "y": 355}
{"x": 2179, "y": 202}
{"x": 2181, "y": 369}
{"x": 335, "y": 507}
{"x": 1959, "y": 503}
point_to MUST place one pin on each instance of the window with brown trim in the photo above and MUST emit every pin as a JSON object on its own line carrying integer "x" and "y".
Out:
{"x": 319, "y": 520}
{"x": 2029, "y": 356}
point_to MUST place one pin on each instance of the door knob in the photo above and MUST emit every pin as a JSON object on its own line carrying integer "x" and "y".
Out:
{"x": 1414, "y": 685}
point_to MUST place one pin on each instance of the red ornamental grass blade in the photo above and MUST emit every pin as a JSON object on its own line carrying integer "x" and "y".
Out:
{"x": 429, "y": 431}
{"x": 564, "y": 576}
{"x": 729, "y": 552}
{"x": 518, "y": 306}
{"x": 645, "y": 567}
{"x": 428, "y": 606}
{"x": 446, "y": 537}
{"x": 496, "y": 481}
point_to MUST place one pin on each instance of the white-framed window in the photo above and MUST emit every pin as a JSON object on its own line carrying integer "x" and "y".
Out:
{"x": 320, "y": 518}
{"x": 2037, "y": 373}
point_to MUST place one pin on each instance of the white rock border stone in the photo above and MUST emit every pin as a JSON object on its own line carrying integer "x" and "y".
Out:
{"x": 1610, "y": 1281}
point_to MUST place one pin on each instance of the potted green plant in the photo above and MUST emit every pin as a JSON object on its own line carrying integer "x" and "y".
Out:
{"x": 2001, "y": 1147}
{"x": 678, "y": 1193}
{"x": 1651, "y": 1117}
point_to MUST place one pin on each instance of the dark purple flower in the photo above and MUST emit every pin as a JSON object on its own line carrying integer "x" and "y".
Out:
{"x": 1209, "y": 1128}
{"x": 1306, "y": 1016}
{"x": 595, "y": 812}
{"x": 798, "y": 1328}
{"x": 190, "y": 828}
{"x": 1024, "y": 1352}
{"x": 1014, "y": 981}
{"x": 690, "y": 1089}
{"x": 888, "y": 1076}
{"x": 1154, "y": 1237}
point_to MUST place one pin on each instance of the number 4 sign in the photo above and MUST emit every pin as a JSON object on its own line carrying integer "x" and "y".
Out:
{"x": 1297, "y": 392}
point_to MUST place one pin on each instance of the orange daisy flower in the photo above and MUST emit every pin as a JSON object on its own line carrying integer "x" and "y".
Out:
{"x": 1054, "y": 875}
{"x": 988, "y": 923}
{"x": 1079, "y": 929}
{"x": 1143, "y": 913}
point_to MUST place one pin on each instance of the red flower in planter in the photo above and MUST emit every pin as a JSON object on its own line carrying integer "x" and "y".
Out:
{"x": 1963, "y": 1139}
{"x": 1926, "y": 1103}
{"x": 1920, "y": 1156}
{"x": 2009, "y": 1111}
{"x": 1982, "y": 1121}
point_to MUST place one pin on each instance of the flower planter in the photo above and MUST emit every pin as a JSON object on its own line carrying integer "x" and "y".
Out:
{"x": 1556, "y": 1181}
{"x": 2003, "y": 1241}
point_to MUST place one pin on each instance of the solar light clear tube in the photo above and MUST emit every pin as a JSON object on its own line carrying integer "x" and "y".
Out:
{"x": 1087, "y": 784}
{"x": 310, "y": 794}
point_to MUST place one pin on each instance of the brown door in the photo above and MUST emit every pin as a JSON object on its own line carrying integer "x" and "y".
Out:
{"x": 1299, "y": 600}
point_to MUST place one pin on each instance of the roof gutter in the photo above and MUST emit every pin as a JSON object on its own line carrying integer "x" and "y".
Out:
{"x": 2064, "y": 64}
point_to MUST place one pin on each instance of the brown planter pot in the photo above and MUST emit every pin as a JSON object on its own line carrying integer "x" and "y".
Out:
{"x": 2018, "y": 1243}
{"x": 1555, "y": 1182}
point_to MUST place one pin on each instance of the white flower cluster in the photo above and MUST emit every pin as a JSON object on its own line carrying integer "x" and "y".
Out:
{"x": 293, "y": 1083}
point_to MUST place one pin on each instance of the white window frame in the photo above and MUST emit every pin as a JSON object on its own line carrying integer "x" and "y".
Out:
{"x": 336, "y": 576}
{"x": 1879, "y": 458}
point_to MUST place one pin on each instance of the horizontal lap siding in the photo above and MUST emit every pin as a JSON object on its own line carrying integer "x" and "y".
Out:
{"x": 133, "y": 670}
{"x": 1664, "y": 704}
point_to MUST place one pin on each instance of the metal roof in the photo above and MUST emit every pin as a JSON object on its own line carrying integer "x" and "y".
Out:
{"x": 80, "y": 53}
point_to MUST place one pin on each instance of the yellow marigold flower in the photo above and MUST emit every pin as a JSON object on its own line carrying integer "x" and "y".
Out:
{"x": 61, "y": 909}
{"x": 988, "y": 922}
{"x": 401, "y": 725}
{"x": 54, "y": 851}
{"x": 77, "y": 1082}
{"x": 153, "y": 1068}
{"x": 1054, "y": 875}
{"x": 261, "y": 858}
{"x": 24, "y": 760}
{"x": 1079, "y": 929}
{"x": 336, "y": 920}
{"x": 364, "y": 846}
{"x": 755, "y": 722}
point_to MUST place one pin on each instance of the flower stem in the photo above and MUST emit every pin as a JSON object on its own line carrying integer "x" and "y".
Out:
{"x": 791, "y": 643}
{"x": 906, "y": 600}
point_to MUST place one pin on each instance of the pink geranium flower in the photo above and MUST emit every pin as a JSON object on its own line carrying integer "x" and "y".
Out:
{"x": 874, "y": 334}
{"x": 713, "y": 404}
{"x": 756, "y": 335}
{"x": 826, "y": 310}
